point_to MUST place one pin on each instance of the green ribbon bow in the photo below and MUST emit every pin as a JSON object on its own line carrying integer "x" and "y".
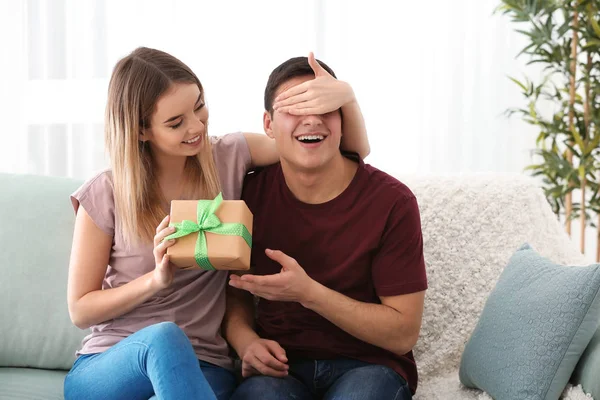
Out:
{"x": 208, "y": 222}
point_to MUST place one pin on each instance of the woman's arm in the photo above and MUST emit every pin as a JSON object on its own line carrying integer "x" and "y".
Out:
{"x": 325, "y": 94}
{"x": 354, "y": 136}
{"x": 263, "y": 150}
{"x": 88, "y": 303}
{"x": 316, "y": 96}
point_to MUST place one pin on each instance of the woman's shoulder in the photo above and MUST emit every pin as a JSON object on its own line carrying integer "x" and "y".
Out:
{"x": 100, "y": 183}
{"x": 96, "y": 196}
{"x": 232, "y": 160}
{"x": 228, "y": 141}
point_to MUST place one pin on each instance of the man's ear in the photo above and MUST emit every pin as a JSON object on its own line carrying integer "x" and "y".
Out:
{"x": 342, "y": 124}
{"x": 267, "y": 122}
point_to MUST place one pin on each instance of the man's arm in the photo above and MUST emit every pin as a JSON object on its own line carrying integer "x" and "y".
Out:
{"x": 398, "y": 272}
{"x": 393, "y": 325}
{"x": 238, "y": 324}
{"x": 259, "y": 356}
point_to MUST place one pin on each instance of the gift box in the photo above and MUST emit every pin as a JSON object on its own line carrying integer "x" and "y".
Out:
{"x": 211, "y": 234}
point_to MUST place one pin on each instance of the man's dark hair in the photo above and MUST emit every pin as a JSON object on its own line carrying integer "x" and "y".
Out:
{"x": 297, "y": 66}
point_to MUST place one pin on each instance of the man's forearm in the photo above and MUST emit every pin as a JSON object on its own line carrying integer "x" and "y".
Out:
{"x": 238, "y": 324}
{"x": 377, "y": 324}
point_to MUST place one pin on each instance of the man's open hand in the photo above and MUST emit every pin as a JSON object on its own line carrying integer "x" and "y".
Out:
{"x": 291, "y": 284}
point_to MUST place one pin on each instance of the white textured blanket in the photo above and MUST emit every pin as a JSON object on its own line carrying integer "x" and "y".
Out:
{"x": 471, "y": 227}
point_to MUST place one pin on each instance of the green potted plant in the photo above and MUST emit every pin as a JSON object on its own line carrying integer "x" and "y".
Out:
{"x": 563, "y": 38}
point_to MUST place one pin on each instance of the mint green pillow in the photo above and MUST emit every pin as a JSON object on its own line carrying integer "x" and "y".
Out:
{"x": 35, "y": 237}
{"x": 534, "y": 327}
{"x": 587, "y": 372}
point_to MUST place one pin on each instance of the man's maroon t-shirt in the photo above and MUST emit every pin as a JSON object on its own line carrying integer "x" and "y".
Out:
{"x": 365, "y": 243}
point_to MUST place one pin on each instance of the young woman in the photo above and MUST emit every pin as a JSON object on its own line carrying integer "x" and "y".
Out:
{"x": 155, "y": 330}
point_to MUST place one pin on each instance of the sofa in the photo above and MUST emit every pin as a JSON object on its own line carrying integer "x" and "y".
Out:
{"x": 471, "y": 226}
{"x": 37, "y": 339}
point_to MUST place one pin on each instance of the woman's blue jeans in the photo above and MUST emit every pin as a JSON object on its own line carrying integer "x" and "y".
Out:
{"x": 156, "y": 361}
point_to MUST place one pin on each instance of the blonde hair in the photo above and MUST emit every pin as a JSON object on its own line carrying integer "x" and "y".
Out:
{"x": 136, "y": 84}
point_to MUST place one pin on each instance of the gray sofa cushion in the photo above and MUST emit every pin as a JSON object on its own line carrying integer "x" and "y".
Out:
{"x": 35, "y": 235}
{"x": 31, "y": 384}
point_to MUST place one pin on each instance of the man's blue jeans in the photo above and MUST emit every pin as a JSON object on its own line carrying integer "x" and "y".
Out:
{"x": 328, "y": 380}
{"x": 157, "y": 360}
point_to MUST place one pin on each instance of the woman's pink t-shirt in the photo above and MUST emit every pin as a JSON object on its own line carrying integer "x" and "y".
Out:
{"x": 196, "y": 299}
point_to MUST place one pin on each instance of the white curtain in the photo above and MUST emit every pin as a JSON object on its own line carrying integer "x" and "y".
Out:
{"x": 430, "y": 77}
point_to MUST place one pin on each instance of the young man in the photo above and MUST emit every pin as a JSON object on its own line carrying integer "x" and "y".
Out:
{"x": 337, "y": 264}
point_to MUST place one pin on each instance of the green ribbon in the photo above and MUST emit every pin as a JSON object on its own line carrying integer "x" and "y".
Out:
{"x": 208, "y": 222}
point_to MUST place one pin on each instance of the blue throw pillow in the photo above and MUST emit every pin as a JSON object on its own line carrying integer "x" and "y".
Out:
{"x": 535, "y": 325}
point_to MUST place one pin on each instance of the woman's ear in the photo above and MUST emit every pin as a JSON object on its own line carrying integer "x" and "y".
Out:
{"x": 144, "y": 135}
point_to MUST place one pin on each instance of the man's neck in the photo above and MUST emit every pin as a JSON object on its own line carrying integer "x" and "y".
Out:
{"x": 322, "y": 185}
